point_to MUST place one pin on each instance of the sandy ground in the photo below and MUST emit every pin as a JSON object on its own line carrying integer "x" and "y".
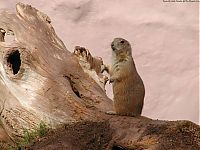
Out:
{"x": 164, "y": 37}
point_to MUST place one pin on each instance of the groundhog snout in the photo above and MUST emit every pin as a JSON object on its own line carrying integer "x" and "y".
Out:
{"x": 113, "y": 47}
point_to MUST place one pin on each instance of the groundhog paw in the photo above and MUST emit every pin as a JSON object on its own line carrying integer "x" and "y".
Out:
{"x": 105, "y": 68}
{"x": 111, "y": 113}
{"x": 111, "y": 80}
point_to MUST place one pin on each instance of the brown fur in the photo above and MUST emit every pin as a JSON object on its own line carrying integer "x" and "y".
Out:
{"x": 128, "y": 87}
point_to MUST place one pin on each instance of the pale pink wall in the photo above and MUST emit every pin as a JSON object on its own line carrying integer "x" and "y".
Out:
{"x": 164, "y": 37}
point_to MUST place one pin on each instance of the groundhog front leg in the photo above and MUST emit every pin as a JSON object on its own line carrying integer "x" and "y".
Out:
{"x": 115, "y": 78}
{"x": 112, "y": 79}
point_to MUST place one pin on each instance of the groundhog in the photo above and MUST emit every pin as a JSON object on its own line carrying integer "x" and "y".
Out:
{"x": 128, "y": 87}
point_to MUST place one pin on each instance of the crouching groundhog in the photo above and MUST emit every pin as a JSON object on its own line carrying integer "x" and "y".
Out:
{"x": 128, "y": 87}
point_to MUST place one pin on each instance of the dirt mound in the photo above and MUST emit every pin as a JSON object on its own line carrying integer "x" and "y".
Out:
{"x": 122, "y": 133}
{"x": 143, "y": 133}
{"x": 80, "y": 136}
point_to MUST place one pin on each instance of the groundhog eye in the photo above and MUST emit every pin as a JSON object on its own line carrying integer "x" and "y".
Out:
{"x": 122, "y": 42}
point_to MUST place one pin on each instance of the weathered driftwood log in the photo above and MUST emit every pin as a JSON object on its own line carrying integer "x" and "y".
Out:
{"x": 41, "y": 81}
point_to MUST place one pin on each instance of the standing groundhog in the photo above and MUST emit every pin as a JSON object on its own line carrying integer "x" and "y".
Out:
{"x": 128, "y": 87}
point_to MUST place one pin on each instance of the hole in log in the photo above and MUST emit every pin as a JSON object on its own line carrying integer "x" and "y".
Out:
{"x": 14, "y": 61}
{"x": 72, "y": 83}
{"x": 76, "y": 92}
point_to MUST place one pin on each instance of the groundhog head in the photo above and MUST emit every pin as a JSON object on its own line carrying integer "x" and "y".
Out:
{"x": 120, "y": 45}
